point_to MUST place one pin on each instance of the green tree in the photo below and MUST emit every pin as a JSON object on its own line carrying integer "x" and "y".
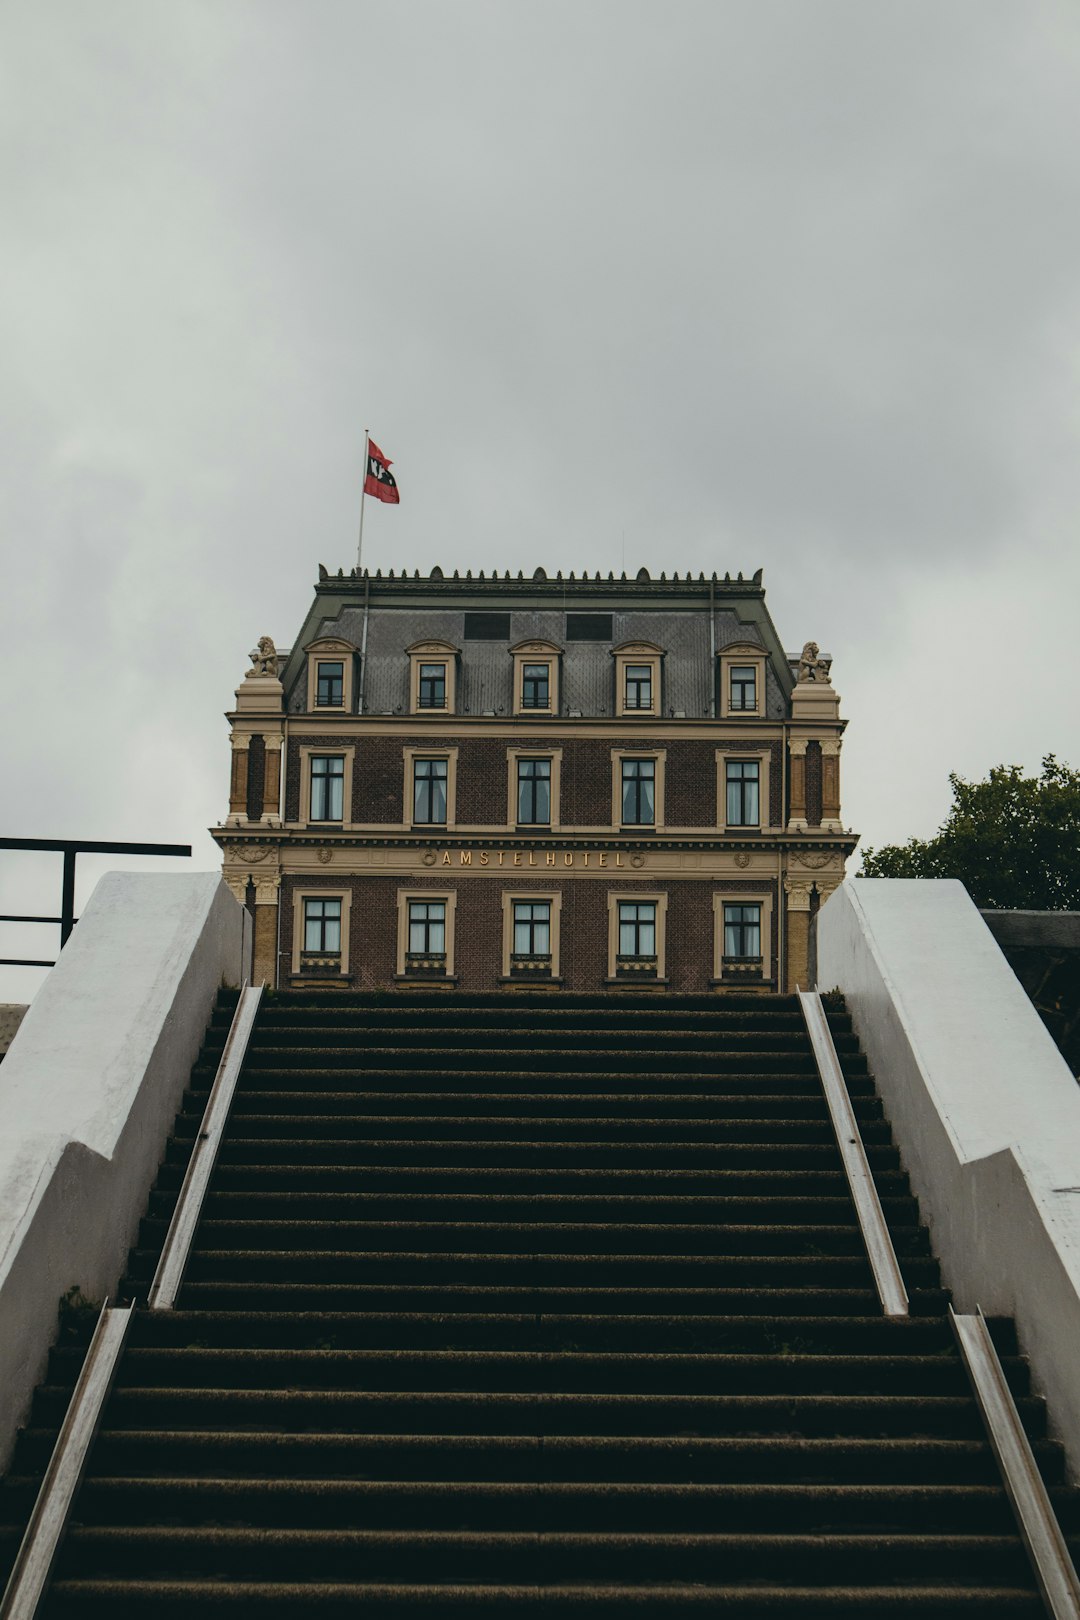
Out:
{"x": 1013, "y": 841}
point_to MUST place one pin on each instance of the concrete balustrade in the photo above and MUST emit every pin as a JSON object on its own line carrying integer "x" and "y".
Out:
{"x": 88, "y": 1093}
{"x": 984, "y": 1110}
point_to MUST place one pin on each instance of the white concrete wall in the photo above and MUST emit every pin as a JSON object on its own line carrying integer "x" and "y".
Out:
{"x": 88, "y": 1092}
{"x": 984, "y": 1109}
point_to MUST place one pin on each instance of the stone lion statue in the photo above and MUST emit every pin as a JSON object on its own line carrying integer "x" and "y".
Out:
{"x": 812, "y": 667}
{"x": 265, "y": 660}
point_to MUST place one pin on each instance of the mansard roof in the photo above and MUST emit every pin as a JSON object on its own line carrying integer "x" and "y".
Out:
{"x": 690, "y": 617}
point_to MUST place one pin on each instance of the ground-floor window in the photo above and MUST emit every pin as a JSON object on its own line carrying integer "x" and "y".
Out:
{"x": 320, "y": 944}
{"x": 425, "y": 935}
{"x": 743, "y": 938}
{"x": 636, "y": 936}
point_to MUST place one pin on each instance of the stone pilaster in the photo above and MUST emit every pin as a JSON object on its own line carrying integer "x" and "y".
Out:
{"x": 830, "y": 784}
{"x": 264, "y": 969}
{"x": 797, "y": 919}
{"x": 271, "y": 805}
{"x": 797, "y": 784}
{"x": 238, "y": 781}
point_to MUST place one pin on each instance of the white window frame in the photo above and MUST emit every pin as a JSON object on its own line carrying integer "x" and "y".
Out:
{"x": 743, "y": 755}
{"x": 637, "y": 652}
{"x": 658, "y": 898}
{"x": 411, "y": 755}
{"x": 324, "y": 750}
{"x": 735, "y": 657}
{"x": 530, "y": 896}
{"x": 449, "y": 899}
{"x": 512, "y": 757}
{"x": 299, "y": 896}
{"x": 659, "y": 758}
{"x": 432, "y": 652}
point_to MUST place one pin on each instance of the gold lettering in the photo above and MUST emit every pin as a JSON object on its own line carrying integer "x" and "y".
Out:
{"x": 446, "y": 857}
{"x": 602, "y": 857}
{"x": 500, "y": 857}
{"x": 483, "y": 857}
{"x": 465, "y": 857}
{"x": 618, "y": 858}
{"x": 550, "y": 857}
{"x": 585, "y": 858}
{"x": 532, "y": 858}
{"x": 517, "y": 857}
{"x": 568, "y": 860}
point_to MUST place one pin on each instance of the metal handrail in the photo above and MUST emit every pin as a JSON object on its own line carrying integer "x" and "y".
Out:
{"x": 1039, "y": 1528}
{"x": 69, "y": 848}
{"x": 872, "y": 1224}
{"x": 176, "y": 1249}
{"x": 33, "y": 1567}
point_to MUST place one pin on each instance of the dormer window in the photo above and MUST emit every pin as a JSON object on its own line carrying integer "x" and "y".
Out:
{"x": 639, "y": 686}
{"x": 432, "y": 678}
{"x": 433, "y": 686}
{"x": 331, "y": 663}
{"x": 743, "y": 686}
{"x": 741, "y": 679}
{"x": 536, "y": 686}
{"x": 329, "y": 683}
{"x": 637, "y": 678}
{"x": 536, "y": 677}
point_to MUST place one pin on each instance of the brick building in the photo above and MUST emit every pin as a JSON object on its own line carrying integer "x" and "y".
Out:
{"x": 580, "y": 782}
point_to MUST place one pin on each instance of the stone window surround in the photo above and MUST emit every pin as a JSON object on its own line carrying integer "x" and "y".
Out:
{"x": 636, "y": 896}
{"x": 735, "y": 657}
{"x": 764, "y": 899}
{"x": 637, "y": 652}
{"x": 345, "y": 751}
{"x": 449, "y": 898}
{"x": 412, "y": 754}
{"x": 554, "y": 898}
{"x": 764, "y": 759}
{"x": 298, "y": 898}
{"x": 537, "y": 652}
{"x": 432, "y": 652}
{"x": 512, "y": 757}
{"x": 659, "y": 755}
{"x": 330, "y": 649}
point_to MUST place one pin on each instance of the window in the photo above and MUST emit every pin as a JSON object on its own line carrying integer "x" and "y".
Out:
{"x": 639, "y": 686}
{"x": 425, "y": 939}
{"x": 536, "y": 677}
{"x": 637, "y": 928}
{"x": 742, "y": 931}
{"x": 322, "y": 927}
{"x": 432, "y": 677}
{"x": 427, "y": 928}
{"x": 637, "y": 677}
{"x": 638, "y": 792}
{"x": 741, "y": 680}
{"x": 743, "y": 687}
{"x": 331, "y": 663}
{"x": 327, "y": 787}
{"x": 433, "y": 686}
{"x": 536, "y": 686}
{"x": 534, "y": 792}
{"x": 743, "y": 787}
{"x": 532, "y": 927}
{"x": 329, "y": 684}
{"x": 429, "y": 791}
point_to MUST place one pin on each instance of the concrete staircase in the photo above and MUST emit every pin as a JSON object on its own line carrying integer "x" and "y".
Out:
{"x": 543, "y": 1304}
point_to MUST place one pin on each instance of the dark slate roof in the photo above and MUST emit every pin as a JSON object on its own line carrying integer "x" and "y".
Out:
{"x": 675, "y": 615}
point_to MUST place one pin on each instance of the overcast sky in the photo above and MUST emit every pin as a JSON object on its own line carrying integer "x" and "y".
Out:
{"x": 707, "y": 284}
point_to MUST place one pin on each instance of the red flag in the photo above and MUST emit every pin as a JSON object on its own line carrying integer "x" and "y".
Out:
{"x": 378, "y": 479}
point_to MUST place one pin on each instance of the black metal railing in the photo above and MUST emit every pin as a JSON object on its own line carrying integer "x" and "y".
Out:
{"x": 69, "y": 848}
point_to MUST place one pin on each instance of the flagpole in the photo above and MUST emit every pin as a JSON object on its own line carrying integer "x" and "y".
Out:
{"x": 360, "y": 541}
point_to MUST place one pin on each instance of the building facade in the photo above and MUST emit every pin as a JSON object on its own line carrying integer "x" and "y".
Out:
{"x": 581, "y": 783}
